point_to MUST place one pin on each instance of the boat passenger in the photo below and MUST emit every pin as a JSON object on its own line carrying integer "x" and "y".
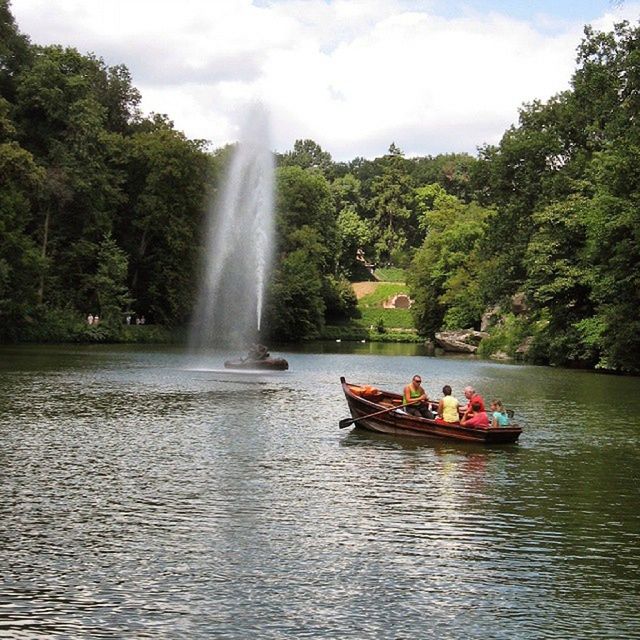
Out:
{"x": 448, "y": 406}
{"x": 499, "y": 416}
{"x": 471, "y": 396}
{"x": 477, "y": 417}
{"x": 414, "y": 392}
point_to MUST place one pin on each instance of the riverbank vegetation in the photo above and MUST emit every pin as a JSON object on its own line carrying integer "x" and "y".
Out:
{"x": 536, "y": 237}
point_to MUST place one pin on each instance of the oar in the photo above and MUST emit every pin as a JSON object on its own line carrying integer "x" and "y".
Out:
{"x": 347, "y": 422}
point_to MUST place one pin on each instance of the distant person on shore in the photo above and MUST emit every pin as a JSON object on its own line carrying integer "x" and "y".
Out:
{"x": 471, "y": 396}
{"x": 128, "y": 319}
{"x": 414, "y": 393}
{"x": 448, "y": 407}
{"x": 499, "y": 416}
{"x": 90, "y": 319}
{"x": 96, "y": 319}
{"x": 475, "y": 417}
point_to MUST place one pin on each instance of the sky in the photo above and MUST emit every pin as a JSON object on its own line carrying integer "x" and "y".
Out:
{"x": 431, "y": 76}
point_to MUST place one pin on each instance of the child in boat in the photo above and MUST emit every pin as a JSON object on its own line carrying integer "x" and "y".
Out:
{"x": 499, "y": 417}
{"x": 448, "y": 406}
{"x": 476, "y": 417}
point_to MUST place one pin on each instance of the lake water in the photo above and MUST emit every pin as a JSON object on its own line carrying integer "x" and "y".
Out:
{"x": 143, "y": 495}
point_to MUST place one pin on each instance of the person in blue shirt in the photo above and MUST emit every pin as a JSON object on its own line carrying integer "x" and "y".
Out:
{"x": 499, "y": 417}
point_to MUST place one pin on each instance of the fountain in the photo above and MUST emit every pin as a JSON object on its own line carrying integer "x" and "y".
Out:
{"x": 239, "y": 244}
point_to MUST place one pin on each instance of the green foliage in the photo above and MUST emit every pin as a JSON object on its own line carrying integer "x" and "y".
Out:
{"x": 296, "y": 310}
{"x": 444, "y": 276}
{"x": 307, "y": 154}
{"x": 109, "y": 282}
{"x": 353, "y": 233}
{"x": 15, "y": 51}
{"x": 159, "y": 225}
{"x": 391, "y": 274}
{"x": 391, "y": 201}
{"x": 358, "y": 332}
{"x": 348, "y": 332}
{"x": 454, "y": 172}
{"x": 392, "y": 318}
{"x": 507, "y": 336}
{"x": 304, "y": 200}
{"x": 20, "y": 261}
{"x": 346, "y": 192}
{"x": 339, "y": 299}
{"x": 99, "y": 205}
{"x": 382, "y": 292}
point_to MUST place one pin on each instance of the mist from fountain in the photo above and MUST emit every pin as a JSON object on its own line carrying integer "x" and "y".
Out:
{"x": 239, "y": 244}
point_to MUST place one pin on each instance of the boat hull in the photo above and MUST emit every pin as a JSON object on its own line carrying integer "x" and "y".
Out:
{"x": 397, "y": 422}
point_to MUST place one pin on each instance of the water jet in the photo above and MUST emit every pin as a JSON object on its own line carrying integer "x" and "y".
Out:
{"x": 238, "y": 244}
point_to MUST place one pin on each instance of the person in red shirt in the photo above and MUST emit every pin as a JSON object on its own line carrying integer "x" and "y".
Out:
{"x": 471, "y": 396}
{"x": 476, "y": 417}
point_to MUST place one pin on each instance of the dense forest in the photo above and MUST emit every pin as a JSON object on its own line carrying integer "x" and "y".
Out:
{"x": 101, "y": 209}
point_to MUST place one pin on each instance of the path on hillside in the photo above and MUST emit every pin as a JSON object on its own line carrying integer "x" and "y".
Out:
{"x": 364, "y": 288}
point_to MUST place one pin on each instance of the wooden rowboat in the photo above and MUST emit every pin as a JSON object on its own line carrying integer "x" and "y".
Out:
{"x": 272, "y": 364}
{"x": 365, "y": 400}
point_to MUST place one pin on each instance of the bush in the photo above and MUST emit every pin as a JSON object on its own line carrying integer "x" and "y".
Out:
{"x": 506, "y": 336}
{"x": 344, "y": 332}
{"x": 339, "y": 299}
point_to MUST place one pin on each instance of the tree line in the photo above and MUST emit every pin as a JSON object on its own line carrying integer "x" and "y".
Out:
{"x": 101, "y": 209}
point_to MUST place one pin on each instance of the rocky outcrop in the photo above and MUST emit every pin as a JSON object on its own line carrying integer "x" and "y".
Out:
{"x": 490, "y": 318}
{"x": 519, "y": 304}
{"x": 464, "y": 341}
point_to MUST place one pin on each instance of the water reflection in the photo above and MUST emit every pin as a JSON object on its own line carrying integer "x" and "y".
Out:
{"x": 139, "y": 498}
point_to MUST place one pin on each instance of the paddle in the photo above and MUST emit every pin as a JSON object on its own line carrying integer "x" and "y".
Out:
{"x": 347, "y": 422}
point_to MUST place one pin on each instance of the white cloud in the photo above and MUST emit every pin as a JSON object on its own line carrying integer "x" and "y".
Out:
{"x": 353, "y": 75}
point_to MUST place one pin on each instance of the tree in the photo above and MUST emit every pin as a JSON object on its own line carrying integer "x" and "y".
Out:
{"x": 296, "y": 308}
{"x": 346, "y": 192}
{"x": 391, "y": 201}
{"x": 62, "y": 122}
{"x": 454, "y": 172}
{"x": 339, "y": 299}
{"x": 304, "y": 199}
{"x": 444, "y": 277}
{"x": 110, "y": 282}
{"x": 558, "y": 280}
{"x": 353, "y": 233}
{"x": 20, "y": 184}
{"x": 15, "y": 51}
{"x": 307, "y": 154}
{"x": 158, "y": 224}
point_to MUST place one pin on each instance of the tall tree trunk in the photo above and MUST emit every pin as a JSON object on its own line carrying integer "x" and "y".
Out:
{"x": 43, "y": 253}
{"x": 142, "y": 247}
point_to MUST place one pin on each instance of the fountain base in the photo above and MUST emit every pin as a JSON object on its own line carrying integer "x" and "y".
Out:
{"x": 271, "y": 364}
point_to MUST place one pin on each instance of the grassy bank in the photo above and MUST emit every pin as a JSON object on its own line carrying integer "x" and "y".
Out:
{"x": 377, "y": 324}
{"x": 65, "y": 327}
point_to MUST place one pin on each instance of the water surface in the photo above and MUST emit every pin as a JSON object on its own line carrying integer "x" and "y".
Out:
{"x": 146, "y": 495}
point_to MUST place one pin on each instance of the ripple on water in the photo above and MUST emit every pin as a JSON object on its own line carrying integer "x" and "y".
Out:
{"x": 144, "y": 502}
